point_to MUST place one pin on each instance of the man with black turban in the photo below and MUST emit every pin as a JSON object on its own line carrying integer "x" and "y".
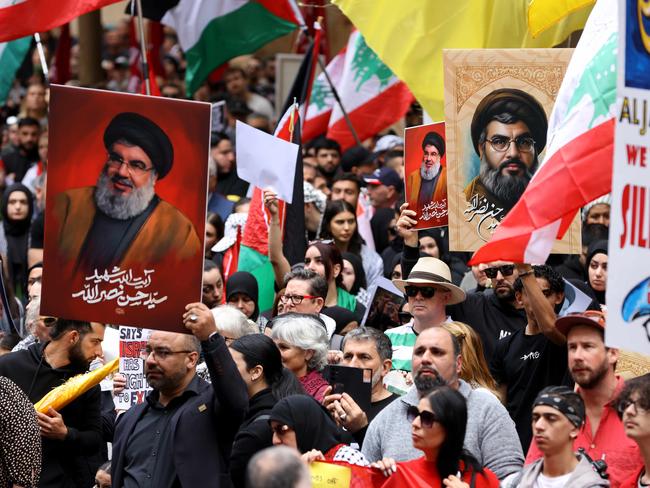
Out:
{"x": 508, "y": 132}
{"x": 121, "y": 221}
{"x": 429, "y": 182}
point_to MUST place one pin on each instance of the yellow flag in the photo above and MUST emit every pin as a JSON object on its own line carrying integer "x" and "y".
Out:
{"x": 409, "y": 36}
{"x": 543, "y": 14}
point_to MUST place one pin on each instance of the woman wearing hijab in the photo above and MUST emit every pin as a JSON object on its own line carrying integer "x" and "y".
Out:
{"x": 242, "y": 292}
{"x": 267, "y": 381}
{"x": 597, "y": 269}
{"x": 300, "y": 422}
{"x": 17, "y": 209}
{"x": 354, "y": 277}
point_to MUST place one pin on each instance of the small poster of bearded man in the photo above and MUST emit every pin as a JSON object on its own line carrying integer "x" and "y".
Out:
{"x": 425, "y": 167}
{"x": 125, "y": 212}
{"x": 497, "y": 104}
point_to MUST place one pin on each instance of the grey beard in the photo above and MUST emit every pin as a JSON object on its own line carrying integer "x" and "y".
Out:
{"x": 429, "y": 174}
{"x": 508, "y": 189}
{"x": 119, "y": 206}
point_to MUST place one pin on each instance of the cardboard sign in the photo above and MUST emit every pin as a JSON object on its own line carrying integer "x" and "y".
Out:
{"x": 132, "y": 342}
{"x": 484, "y": 178}
{"x": 425, "y": 169}
{"x": 628, "y": 283}
{"x": 125, "y": 213}
{"x": 326, "y": 475}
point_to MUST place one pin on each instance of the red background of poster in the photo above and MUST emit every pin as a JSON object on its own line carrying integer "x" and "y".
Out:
{"x": 413, "y": 137}
{"x": 78, "y": 118}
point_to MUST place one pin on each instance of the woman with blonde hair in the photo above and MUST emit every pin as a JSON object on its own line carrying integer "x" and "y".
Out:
{"x": 474, "y": 368}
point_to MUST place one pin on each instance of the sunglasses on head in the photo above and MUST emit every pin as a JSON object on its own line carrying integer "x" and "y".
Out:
{"x": 425, "y": 291}
{"x": 427, "y": 418}
{"x": 506, "y": 270}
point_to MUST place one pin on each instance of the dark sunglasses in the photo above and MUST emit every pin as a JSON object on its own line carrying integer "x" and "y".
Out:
{"x": 425, "y": 291}
{"x": 506, "y": 270}
{"x": 427, "y": 419}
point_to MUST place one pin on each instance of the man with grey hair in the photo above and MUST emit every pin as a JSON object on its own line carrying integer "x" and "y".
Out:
{"x": 490, "y": 437}
{"x": 365, "y": 348}
{"x": 277, "y": 467}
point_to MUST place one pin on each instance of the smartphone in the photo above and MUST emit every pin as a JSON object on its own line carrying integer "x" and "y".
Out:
{"x": 356, "y": 382}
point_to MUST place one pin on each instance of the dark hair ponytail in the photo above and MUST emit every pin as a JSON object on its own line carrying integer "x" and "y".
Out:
{"x": 259, "y": 349}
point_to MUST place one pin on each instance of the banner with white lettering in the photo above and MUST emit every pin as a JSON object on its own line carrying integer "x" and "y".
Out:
{"x": 132, "y": 343}
{"x": 628, "y": 285}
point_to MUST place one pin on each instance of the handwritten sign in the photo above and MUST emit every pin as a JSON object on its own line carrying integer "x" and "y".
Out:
{"x": 325, "y": 475}
{"x": 121, "y": 286}
{"x": 132, "y": 341}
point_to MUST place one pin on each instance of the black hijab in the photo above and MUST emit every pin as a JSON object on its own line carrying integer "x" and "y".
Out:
{"x": 598, "y": 247}
{"x": 359, "y": 273}
{"x": 245, "y": 283}
{"x": 17, "y": 235}
{"x": 314, "y": 428}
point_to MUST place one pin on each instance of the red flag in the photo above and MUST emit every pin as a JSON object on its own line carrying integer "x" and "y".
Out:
{"x": 134, "y": 60}
{"x": 26, "y": 18}
{"x": 62, "y": 57}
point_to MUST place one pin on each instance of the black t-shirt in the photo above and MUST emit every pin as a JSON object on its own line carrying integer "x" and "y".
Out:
{"x": 37, "y": 231}
{"x": 371, "y": 413}
{"x": 527, "y": 364}
{"x": 490, "y": 317}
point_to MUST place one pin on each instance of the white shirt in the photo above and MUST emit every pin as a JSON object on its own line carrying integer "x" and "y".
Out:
{"x": 547, "y": 482}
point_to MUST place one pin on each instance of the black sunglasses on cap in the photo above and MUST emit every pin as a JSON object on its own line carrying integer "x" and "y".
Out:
{"x": 506, "y": 270}
{"x": 426, "y": 418}
{"x": 425, "y": 291}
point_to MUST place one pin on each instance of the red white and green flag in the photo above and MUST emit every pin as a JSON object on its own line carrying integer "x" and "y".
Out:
{"x": 213, "y": 32}
{"x": 372, "y": 95}
{"x": 578, "y": 164}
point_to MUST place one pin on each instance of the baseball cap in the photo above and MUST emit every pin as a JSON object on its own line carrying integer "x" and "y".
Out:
{"x": 593, "y": 318}
{"x": 388, "y": 142}
{"x": 384, "y": 176}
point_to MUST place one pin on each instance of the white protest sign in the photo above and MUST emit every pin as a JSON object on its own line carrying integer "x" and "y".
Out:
{"x": 628, "y": 284}
{"x": 266, "y": 161}
{"x": 132, "y": 342}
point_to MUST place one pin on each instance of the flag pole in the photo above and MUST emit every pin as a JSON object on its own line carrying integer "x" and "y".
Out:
{"x": 340, "y": 103}
{"x": 41, "y": 56}
{"x": 143, "y": 50}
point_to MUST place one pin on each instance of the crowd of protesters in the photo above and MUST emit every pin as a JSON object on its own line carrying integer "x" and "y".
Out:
{"x": 484, "y": 380}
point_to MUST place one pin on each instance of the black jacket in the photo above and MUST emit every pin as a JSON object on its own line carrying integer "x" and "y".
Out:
{"x": 71, "y": 462}
{"x": 253, "y": 436}
{"x": 203, "y": 428}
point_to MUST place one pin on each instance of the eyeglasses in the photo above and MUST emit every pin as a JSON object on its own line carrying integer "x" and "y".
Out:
{"x": 280, "y": 430}
{"x": 295, "y": 299}
{"x": 425, "y": 291}
{"x": 623, "y": 406}
{"x": 506, "y": 270}
{"x": 135, "y": 168}
{"x": 159, "y": 353}
{"x": 502, "y": 143}
{"x": 427, "y": 418}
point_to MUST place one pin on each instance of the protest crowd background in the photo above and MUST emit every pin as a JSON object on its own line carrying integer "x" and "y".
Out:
{"x": 342, "y": 337}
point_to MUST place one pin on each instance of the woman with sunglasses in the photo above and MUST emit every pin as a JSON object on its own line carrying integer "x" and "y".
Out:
{"x": 340, "y": 224}
{"x": 267, "y": 381}
{"x": 300, "y": 422}
{"x": 438, "y": 426}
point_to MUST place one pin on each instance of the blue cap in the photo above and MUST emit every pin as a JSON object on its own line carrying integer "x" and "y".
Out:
{"x": 384, "y": 176}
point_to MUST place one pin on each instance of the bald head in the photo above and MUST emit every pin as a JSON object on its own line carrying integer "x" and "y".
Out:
{"x": 436, "y": 359}
{"x": 277, "y": 467}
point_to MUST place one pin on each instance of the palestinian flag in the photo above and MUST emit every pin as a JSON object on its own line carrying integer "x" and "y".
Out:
{"x": 213, "y": 32}
{"x": 579, "y": 155}
{"x": 24, "y": 18}
{"x": 322, "y": 99}
{"x": 372, "y": 95}
{"x": 12, "y": 55}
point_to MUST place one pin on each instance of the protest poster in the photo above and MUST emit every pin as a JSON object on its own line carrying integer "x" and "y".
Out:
{"x": 425, "y": 167}
{"x": 123, "y": 238}
{"x": 486, "y": 175}
{"x": 628, "y": 283}
{"x": 384, "y": 305}
{"x": 132, "y": 342}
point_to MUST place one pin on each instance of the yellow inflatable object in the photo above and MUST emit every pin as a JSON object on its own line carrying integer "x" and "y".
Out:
{"x": 76, "y": 386}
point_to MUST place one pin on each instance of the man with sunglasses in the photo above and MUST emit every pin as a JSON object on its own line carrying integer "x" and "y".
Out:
{"x": 534, "y": 356}
{"x": 592, "y": 366}
{"x": 508, "y": 132}
{"x": 121, "y": 221}
{"x": 181, "y": 435}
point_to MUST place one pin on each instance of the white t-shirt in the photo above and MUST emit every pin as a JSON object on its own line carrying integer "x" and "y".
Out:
{"x": 547, "y": 482}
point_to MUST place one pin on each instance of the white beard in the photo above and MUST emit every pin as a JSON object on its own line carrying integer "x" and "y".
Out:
{"x": 429, "y": 174}
{"x": 122, "y": 207}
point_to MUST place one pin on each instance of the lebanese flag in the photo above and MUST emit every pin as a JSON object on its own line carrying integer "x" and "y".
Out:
{"x": 580, "y": 152}
{"x": 322, "y": 99}
{"x": 24, "y": 18}
{"x": 372, "y": 95}
{"x": 213, "y": 32}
